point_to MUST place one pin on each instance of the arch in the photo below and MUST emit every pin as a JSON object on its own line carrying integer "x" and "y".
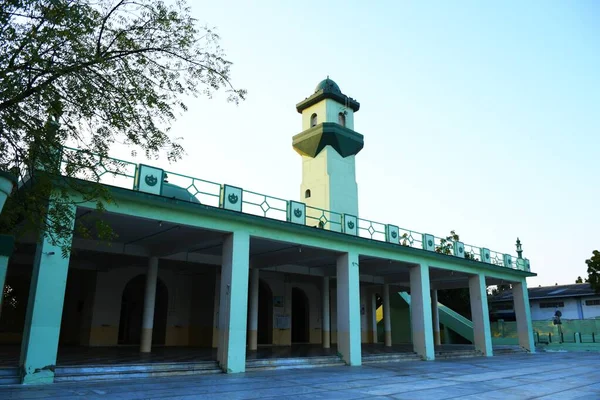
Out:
{"x": 342, "y": 119}
{"x": 265, "y": 313}
{"x": 313, "y": 120}
{"x": 132, "y": 311}
{"x": 307, "y": 194}
{"x": 300, "y": 316}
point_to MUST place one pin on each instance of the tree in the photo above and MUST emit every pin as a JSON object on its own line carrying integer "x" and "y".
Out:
{"x": 92, "y": 74}
{"x": 580, "y": 280}
{"x": 593, "y": 264}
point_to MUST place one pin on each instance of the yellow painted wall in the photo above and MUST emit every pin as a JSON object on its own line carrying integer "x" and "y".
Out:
{"x": 282, "y": 337}
{"x": 177, "y": 336}
{"x": 104, "y": 336}
{"x": 315, "y": 336}
{"x": 327, "y": 111}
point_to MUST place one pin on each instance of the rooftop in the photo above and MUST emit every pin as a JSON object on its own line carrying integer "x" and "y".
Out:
{"x": 548, "y": 292}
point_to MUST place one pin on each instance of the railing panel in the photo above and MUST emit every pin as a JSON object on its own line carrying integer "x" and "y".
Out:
{"x": 111, "y": 171}
{"x": 95, "y": 168}
{"x": 410, "y": 238}
{"x": 371, "y": 230}
{"x": 206, "y": 192}
{"x": 323, "y": 219}
{"x": 264, "y": 206}
{"x": 473, "y": 252}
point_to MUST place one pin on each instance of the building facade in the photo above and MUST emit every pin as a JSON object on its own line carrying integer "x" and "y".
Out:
{"x": 206, "y": 265}
{"x": 574, "y": 301}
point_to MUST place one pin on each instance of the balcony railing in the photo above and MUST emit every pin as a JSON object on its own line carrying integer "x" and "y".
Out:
{"x": 114, "y": 172}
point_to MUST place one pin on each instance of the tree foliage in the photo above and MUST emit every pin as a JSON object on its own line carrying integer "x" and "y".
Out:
{"x": 94, "y": 74}
{"x": 593, "y": 264}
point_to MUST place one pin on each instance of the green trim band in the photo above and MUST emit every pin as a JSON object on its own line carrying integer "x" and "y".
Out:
{"x": 256, "y": 220}
{"x": 345, "y": 141}
{"x": 322, "y": 95}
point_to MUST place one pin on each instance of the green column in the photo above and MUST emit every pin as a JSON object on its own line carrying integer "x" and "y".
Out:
{"x": 44, "y": 312}
{"x": 420, "y": 312}
{"x": 7, "y": 244}
{"x": 233, "y": 303}
{"x": 523, "y": 315}
{"x": 348, "y": 309}
{"x": 482, "y": 335}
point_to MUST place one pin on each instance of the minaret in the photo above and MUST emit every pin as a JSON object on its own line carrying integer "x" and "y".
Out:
{"x": 328, "y": 145}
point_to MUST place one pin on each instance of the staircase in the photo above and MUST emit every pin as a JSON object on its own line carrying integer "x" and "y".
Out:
{"x": 507, "y": 349}
{"x": 290, "y": 363}
{"x": 133, "y": 371}
{"x": 389, "y": 357}
{"x": 9, "y": 376}
{"x": 450, "y": 318}
{"x": 449, "y": 353}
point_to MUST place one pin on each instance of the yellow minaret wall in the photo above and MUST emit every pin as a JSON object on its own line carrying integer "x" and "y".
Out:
{"x": 330, "y": 177}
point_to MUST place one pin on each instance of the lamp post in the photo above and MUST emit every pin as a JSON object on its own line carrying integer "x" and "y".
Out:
{"x": 519, "y": 249}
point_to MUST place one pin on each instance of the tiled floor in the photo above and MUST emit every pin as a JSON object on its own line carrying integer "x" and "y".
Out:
{"x": 514, "y": 376}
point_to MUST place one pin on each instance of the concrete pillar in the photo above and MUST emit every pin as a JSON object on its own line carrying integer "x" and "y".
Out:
{"x": 44, "y": 311}
{"x": 374, "y": 317}
{"x": 149, "y": 301}
{"x": 326, "y": 326}
{"x": 215, "y": 338}
{"x": 480, "y": 315}
{"x": 253, "y": 317}
{"x": 435, "y": 313}
{"x": 348, "y": 308}
{"x": 447, "y": 338}
{"x": 523, "y": 315}
{"x": 7, "y": 244}
{"x": 387, "y": 319}
{"x": 420, "y": 312}
{"x": 233, "y": 303}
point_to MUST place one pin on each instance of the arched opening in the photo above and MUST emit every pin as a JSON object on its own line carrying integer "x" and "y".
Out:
{"x": 265, "y": 314}
{"x": 132, "y": 311}
{"x": 342, "y": 119}
{"x": 307, "y": 194}
{"x": 300, "y": 315}
{"x": 313, "y": 120}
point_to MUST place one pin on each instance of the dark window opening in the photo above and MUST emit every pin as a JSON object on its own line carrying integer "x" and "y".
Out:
{"x": 555, "y": 304}
{"x": 342, "y": 119}
{"x": 307, "y": 194}
{"x": 313, "y": 120}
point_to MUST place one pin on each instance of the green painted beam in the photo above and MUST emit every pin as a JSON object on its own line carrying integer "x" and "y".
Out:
{"x": 129, "y": 202}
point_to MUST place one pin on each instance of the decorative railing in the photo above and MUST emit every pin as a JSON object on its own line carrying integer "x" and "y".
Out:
{"x": 144, "y": 178}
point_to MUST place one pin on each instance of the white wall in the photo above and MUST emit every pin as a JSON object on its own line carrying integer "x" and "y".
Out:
{"x": 569, "y": 311}
{"x": 590, "y": 311}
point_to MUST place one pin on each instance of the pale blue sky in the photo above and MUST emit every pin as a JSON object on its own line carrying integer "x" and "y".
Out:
{"x": 483, "y": 118}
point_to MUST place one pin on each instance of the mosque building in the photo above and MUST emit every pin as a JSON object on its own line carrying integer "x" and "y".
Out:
{"x": 207, "y": 277}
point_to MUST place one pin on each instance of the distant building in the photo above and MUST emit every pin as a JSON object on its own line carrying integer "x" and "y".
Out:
{"x": 574, "y": 301}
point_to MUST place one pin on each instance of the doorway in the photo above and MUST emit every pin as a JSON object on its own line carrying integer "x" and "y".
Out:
{"x": 265, "y": 314}
{"x": 132, "y": 311}
{"x": 300, "y": 315}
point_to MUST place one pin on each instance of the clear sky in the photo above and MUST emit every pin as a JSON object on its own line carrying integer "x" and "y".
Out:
{"x": 483, "y": 118}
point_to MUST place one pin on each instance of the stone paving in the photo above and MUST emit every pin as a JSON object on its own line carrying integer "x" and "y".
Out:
{"x": 513, "y": 376}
